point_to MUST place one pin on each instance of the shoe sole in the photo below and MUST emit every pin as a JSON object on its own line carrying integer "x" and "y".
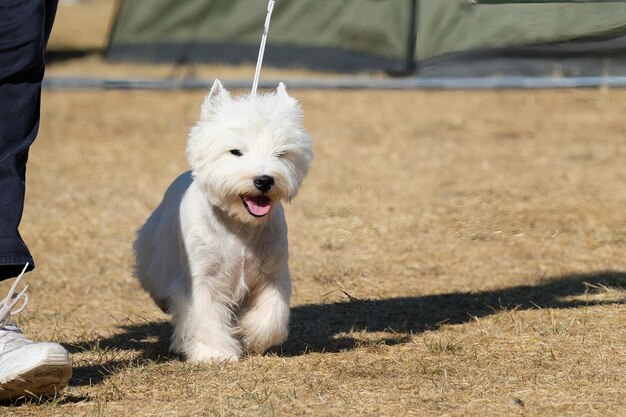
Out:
{"x": 40, "y": 369}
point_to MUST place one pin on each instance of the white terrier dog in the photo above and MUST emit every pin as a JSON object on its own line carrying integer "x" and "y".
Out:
{"x": 214, "y": 253}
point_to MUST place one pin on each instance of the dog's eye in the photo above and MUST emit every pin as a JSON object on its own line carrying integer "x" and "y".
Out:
{"x": 236, "y": 152}
{"x": 280, "y": 154}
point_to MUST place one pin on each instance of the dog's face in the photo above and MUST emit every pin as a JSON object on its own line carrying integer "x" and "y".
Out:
{"x": 248, "y": 153}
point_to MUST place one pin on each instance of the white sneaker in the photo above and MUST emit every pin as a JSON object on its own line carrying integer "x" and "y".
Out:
{"x": 28, "y": 368}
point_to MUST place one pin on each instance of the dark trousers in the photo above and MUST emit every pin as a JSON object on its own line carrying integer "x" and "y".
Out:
{"x": 24, "y": 30}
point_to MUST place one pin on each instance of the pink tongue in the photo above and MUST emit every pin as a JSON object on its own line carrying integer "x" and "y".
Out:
{"x": 259, "y": 206}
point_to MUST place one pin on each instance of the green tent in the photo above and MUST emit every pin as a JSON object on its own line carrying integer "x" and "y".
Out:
{"x": 436, "y": 37}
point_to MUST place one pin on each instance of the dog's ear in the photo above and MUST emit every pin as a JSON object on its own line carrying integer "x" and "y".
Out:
{"x": 213, "y": 101}
{"x": 281, "y": 90}
{"x": 281, "y": 93}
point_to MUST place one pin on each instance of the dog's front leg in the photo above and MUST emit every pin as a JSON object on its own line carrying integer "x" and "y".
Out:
{"x": 265, "y": 321}
{"x": 202, "y": 322}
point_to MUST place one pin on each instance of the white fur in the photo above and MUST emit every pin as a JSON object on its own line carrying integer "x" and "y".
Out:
{"x": 218, "y": 270}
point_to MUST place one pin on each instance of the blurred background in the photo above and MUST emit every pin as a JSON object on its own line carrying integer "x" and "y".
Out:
{"x": 405, "y": 43}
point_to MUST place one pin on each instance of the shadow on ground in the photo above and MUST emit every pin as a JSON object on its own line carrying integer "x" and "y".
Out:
{"x": 151, "y": 339}
{"x": 326, "y": 327}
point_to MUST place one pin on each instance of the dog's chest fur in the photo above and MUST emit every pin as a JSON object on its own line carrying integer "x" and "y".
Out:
{"x": 234, "y": 256}
{"x": 243, "y": 265}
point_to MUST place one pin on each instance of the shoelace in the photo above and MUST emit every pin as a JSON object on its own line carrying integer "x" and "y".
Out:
{"x": 10, "y": 301}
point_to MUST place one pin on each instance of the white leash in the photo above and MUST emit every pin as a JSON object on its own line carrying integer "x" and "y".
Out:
{"x": 259, "y": 62}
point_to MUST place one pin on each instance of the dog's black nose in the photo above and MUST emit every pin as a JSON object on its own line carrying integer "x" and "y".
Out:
{"x": 263, "y": 183}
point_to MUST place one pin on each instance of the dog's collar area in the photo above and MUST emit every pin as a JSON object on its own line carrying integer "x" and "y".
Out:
{"x": 257, "y": 206}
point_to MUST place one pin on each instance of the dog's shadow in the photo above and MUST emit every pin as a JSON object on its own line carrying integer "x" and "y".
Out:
{"x": 327, "y": 327}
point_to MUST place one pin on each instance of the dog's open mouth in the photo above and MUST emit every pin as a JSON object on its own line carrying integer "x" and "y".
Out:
{"x": 257, "y": 206}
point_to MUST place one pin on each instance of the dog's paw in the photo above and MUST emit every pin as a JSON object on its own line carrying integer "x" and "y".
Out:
{"x": 201, "y": 352}
{"x": 260, "y": 347}
{"x": 258, "y": 340}
{"x": 261, "y": 329}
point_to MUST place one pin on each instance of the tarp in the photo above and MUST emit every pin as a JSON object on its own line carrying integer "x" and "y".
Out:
{"x": 363, "y": 35}
{"x": 346, "y": 34}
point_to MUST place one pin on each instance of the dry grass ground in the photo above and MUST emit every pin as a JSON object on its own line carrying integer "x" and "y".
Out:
{"x": 453, "y": 253}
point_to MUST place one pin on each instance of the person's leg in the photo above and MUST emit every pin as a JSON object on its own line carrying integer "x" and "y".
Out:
{"x": 26, "y": 368}
{"x": 25, "y": 26}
